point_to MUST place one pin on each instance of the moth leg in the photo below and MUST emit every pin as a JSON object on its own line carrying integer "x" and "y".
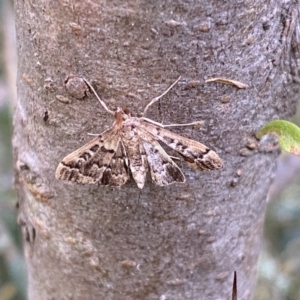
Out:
{"x": 158, "y": 97}
{"x": 198, "y": 123}
{"x": 175, "y": 157}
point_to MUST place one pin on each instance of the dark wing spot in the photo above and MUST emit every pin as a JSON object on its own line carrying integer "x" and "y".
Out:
{"x": 95, "y": 148}
{"x": 103, "y": 149}
{"x": 85, "y": 156}
{"x": 73, "y": 175}
{"x": 181, "y": 146}
{"x": 197, "y": 156}
{"x": 169, "y": 140}
{"x": 206, "y": 151}
{"x": 201, "y": 155}
{"x": 106, "y": 177}
{"x": 188, "y": 159}
{"x": 175, "y": 173}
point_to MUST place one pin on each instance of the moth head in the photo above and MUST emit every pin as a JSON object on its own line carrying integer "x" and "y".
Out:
{"x": 121, "y": 114}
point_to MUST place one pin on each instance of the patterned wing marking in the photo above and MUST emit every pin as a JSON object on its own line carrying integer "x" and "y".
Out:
{"x": 195, "y": 154}
{"x": 88, "y": 163}
{"x": 117, "y": 171}
{"x": 162, "y": 168}
{"x": 136, "y": 155}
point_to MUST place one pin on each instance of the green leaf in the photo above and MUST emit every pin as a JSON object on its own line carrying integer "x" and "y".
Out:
{"x": 288, "y": 135}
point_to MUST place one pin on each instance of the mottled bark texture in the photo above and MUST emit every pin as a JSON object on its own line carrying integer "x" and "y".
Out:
{"x": 178, "y": 242}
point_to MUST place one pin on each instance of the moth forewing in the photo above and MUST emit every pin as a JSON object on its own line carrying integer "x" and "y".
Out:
{"x": 88, "y": 163}
{"x": 117, "y": 170}
{"x": 194, "y": 153}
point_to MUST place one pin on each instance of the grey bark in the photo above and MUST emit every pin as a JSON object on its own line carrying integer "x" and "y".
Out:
{"x": 176, "y": 242}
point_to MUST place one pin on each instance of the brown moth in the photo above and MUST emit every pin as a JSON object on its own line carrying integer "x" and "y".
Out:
{"x": 131, "y": 145}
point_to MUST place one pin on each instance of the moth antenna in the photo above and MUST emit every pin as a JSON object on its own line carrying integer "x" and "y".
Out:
{"x": 158, "y": 97}
{"x": 101, "y": 102}
{"x": 93, "y": 134}
{"x": 196, "y": 123}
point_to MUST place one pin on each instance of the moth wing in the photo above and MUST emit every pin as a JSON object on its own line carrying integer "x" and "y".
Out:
{"x": 88, "y": 163}
{"x": 136, "y": 155}
{"x": 195, "y": 154}
{"x": 162, "y": 168}
{"x": 117, "y": 171}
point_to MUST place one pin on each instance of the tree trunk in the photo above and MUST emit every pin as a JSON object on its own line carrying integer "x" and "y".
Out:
{"x": 182, "y": 241}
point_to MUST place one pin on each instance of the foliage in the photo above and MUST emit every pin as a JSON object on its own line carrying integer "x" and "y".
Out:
{"x": 288, "y": 135}
{"x": 12, "y": 265}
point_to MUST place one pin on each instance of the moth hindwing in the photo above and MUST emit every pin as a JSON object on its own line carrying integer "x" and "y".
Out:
{"x": 131, "y": 145}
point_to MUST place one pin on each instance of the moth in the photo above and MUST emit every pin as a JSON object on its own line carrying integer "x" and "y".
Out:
{"x": 131, "y": 146}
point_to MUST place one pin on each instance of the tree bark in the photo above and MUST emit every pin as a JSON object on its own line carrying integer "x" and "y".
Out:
{"x": 183, "y": 241}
